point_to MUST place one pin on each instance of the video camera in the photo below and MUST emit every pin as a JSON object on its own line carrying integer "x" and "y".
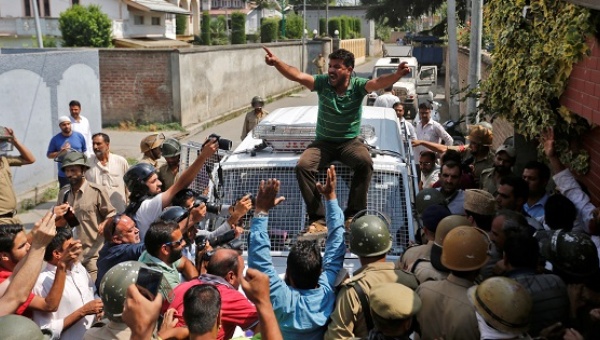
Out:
{"x": 225, "y": 239}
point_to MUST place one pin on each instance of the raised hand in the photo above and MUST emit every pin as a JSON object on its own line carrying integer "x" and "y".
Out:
{"x": 547, "y": 139}
{"x": 266, "y": 198}
{"x": 256, "y": 286}
{"x": 328, "y": 190}
{"x": 45, "y": 230}
{"x": 403, "y": 68}
{"x": 270, "y": 58}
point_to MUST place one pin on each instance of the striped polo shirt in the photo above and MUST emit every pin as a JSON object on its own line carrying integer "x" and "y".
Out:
{"x": 339, "y": 116}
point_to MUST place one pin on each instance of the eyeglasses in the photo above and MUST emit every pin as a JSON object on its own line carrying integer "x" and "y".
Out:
{"x": 175, "y": 243}
{"x": 425, "y": 163}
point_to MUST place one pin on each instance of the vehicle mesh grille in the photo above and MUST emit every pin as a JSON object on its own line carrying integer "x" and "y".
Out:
{"x": 387, "y": 194}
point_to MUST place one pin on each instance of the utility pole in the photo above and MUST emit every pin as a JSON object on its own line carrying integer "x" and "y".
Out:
{"x": 38, "y": 28}
{"x": 327, "y": 17}
{"x": 474, "y": 57}
{"x": 452, "y": 68}
{"x": 283, "y": 6}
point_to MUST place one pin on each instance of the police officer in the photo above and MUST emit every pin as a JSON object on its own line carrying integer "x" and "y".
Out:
{"x": 370, "y": 240}
{"x": 168, "y": 173}
{"x": 16, "y": 327}
{"x": 255, "y": 116}
{"x": 503, "y": 308}
{"x": 150, "y": 148}
{"x": 446, "y": 310}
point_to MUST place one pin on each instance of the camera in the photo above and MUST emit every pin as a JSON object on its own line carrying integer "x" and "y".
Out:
{"x": 222, "y": 240}
{"x": 224, "y": 144}
{"x": 211, "y": 207}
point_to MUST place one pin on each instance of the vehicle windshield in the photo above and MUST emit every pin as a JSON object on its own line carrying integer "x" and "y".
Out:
{"x": 380, "y": 71}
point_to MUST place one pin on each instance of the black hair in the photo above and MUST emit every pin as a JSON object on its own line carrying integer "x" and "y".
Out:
{"x": 8, "y": 232}
{"x": 451, "y": 155}
{"x": 396, "y": 104}
{"x": 559, "y": 213}
{"x": 389, "y": 88}
{"x": 451, "y": 165}
{"x": 426, "y": 106}
{"x": 158, "y": 234}
{"x": 62, "y": 234}
{"x": 519, "y": 185}
{"x": 104, "y": 136}
{"x": 428, "y": 153}
{"x": 542, "y": 169}
{"x": 220, "y": 266}
{"x": 74, "y": 103}
{"x": 182, "y": 196}
{"x": 522, "y": 251}
{"x": 201, "y": 308}
{"x": 304, "y": 264}
{"x": 345, "y": 56}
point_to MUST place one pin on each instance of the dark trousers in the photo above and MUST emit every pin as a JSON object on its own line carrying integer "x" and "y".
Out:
{"x": 319, "y": 155}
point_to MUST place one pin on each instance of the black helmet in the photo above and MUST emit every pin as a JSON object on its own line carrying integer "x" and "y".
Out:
{"x": 135, "y": 178}
{"x": 427, "y": 197}
{"x": 572, "y": 253}
{"x": 174, "y": 213}
{"x": 257, "y": 100}
{"x": 171, "y": 148}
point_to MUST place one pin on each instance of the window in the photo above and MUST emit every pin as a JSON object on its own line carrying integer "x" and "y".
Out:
{"x": 155, "y": 21}
{"x": 138, "y": 19}
{"x": 43, "y": 8}
{"x": 75, "y": 2}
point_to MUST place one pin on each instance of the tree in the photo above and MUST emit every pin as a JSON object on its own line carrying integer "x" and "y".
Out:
{"x": 181, "y": 22}
{"x": 85, "y": 26}
{"x": 205, "y": 34}
{"x": 397, "y": 12}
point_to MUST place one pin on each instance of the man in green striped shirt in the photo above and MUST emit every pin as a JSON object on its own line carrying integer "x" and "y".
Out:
{"x": 338, "y": 127}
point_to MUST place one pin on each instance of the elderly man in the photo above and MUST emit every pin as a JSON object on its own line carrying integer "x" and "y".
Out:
{"x": 89, "y": 204}
{"x": 107, "y": 169}
{"x": 64, "y": 142}
{"x": 8, "y": 198}
{"x": 337, "y": 131}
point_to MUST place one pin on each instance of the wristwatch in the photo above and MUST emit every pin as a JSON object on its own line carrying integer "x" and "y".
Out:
{"x": 261, "y": 214}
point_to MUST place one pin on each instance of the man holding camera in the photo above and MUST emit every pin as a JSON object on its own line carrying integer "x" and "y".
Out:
{"x": 337, "y": 132}
{"x": 8, "y": 198}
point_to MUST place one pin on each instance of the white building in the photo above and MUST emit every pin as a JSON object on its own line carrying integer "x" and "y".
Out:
{"x": 131, "y": 18}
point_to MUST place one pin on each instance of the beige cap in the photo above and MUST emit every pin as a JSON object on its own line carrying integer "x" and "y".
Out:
{"x": 481, "y": 135}
{"x": 152, "y": 142}
{"x": 393, "y": 301}
{"x": 63, "y": 119}
{"x": 480, "y": 202}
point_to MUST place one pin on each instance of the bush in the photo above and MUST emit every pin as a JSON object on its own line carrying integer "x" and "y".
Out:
{"x": 322, "y": 27}
{"x": 85, "y": 27}
{"x": 218, "y": 28}
{"x": 238, "y": 28}
{"x": 293, "y": 26}
{"x": 181, "y": 22}
{"x": 345, "y": 27}
{"x": 205, "y": 33}
{"x": 334, "y": 24}
{"x": 357, "y": 27}
{"x": 268, "y": 30}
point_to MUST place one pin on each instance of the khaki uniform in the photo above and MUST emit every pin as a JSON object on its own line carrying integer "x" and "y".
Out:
{"x": 91, "y": 206}
{"x": 424, "y": 271}
{"x": 487, "y": 182}
{"x": 412, "y": 254}
{"x": 167, "y": 177}
{"x": 251, "y": 120}
{"x": 111, "y": 330}
{"x": 482, "y": 164}
{"x": 347, "y": 320}
{"x": 155, "y": 163}
{"x": 8, "y": 198}
{"x": 446, "y": 311}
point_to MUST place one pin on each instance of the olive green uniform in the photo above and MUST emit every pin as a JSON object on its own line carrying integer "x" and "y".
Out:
{"x": 487, "y": 182}
{"x": 347, "y": 320}
{"x": 167, "y": 177}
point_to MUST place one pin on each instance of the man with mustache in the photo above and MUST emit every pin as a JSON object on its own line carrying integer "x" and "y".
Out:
{"x": 503, "y": 163}
{"x": 337, "y": 132}
{"x": 62, "y": 142}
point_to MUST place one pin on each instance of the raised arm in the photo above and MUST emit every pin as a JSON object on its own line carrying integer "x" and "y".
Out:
{"x": 256, "y": 287}
{"x": 288, "y": 71}
{"x": 435, "y": 147}
{"x": 388, "y": 79}
{"x": 24, "y": 153}
{"x": 27, "y": 273}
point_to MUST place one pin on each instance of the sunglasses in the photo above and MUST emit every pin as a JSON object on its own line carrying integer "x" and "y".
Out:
{"x": 175, "y": 243}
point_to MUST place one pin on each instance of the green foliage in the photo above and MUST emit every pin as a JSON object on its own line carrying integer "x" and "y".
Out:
{"x": 382, "y": 31}
{"x": 268, "y": 30}
{"x": 218, "y": 31}
{"x": 335, "y": 24}
{"x": 533, "y": 59}
{"x": 322, "y": 27}
{"x": 85, "y": 27}
{"x": 238, "y": 28}
{"x": 205, "y": 32}
{"x": 357, "y": 26}
{"x": 294, "y": 26}
{"x": 181, "y": 23}
{"x": 396, "y": 12}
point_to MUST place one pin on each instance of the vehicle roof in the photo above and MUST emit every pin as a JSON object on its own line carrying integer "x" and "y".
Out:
{"x": 387, "y": 61}
{"x": 383, "y": 120}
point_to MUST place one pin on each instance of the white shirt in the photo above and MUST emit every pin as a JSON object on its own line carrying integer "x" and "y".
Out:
{"x": 79, "y": 290}
{"x": 83, "y": 126}
{"x": 110, "y": 176}
{"x": 432, "y": 132}
{"x": 148, "y": 212}
{"x": 406, "y": 126}
{"x": 431, "y": 179}
{"x": 386, "y": 100}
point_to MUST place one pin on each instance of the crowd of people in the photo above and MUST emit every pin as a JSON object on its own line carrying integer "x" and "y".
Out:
{"x": 121, "y": 254}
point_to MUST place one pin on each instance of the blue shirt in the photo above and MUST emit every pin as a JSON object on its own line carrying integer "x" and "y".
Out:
{"x": 537, "y": 209}
{"x": 301, "y": 313}
{"x": 112, "y": 254}
{"x": 76, "y": 140}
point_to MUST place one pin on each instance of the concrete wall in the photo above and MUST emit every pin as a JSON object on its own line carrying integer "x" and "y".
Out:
{"x": 194, "y": 85}
{"x": 35, "y": 89}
